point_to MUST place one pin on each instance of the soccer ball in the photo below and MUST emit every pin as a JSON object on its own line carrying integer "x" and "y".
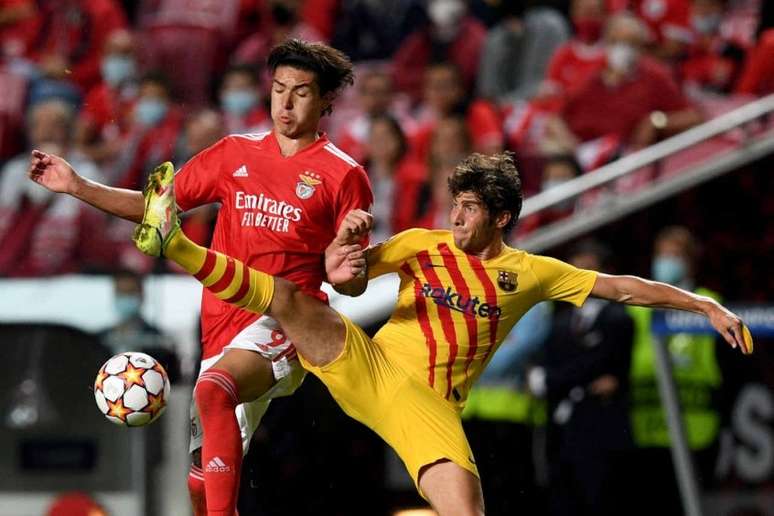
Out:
{"x": 131, "y": 389}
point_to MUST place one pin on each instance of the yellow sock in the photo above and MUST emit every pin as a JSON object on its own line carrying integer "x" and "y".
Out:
{"x": 229, "y": 279}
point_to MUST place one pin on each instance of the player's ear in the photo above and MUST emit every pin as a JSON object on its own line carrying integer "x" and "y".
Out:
{"x": 502, "y": 219}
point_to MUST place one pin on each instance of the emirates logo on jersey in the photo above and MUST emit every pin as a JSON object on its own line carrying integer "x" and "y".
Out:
{"x": 306, "y": 187}
{"x": 507, "y": 281}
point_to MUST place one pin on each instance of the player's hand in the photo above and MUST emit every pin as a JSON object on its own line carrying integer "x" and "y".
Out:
{"x": 730, "y": 326}
{"x": 354, "y": 227}
{"x": 52, "y": 172}
{"x": 343, "y": 263}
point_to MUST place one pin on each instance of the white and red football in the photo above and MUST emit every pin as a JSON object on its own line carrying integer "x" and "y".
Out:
{"x": 131, "y": 389}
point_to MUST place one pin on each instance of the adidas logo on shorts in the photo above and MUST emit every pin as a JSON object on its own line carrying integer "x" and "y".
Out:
{"x": 217, "y": 466}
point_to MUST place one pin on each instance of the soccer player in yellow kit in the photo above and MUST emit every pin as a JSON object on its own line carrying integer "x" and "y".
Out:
{"x": 461, "y": 292}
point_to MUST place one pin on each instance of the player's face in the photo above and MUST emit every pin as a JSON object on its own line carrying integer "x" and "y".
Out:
{"x": 296, "y": 104}
{"x": 472, "y": 226}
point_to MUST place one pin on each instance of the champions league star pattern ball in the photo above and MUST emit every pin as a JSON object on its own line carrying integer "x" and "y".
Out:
{"x": 131, "y": 389}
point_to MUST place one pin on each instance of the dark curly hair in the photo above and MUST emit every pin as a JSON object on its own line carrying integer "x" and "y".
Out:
{"x": 332, "y": 68}
{"x": 494, "y": 179}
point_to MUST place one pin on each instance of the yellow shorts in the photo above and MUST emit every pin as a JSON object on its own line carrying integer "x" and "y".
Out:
{"x": 409, "y": 415}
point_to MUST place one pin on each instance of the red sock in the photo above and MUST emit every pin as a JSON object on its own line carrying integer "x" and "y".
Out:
{"x": 196, "y": 491}
{"x": 216, "y": 399}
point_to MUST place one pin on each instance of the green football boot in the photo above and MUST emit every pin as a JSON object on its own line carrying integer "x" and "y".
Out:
{"x": 160, "y": 220}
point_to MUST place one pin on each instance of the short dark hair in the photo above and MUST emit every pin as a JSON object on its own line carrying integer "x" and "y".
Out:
{"x": 600, "y": 251}
{"x": 494, "y": 179}
{"x": 332, "y": 68}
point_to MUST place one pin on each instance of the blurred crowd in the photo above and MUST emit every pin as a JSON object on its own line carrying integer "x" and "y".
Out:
{"x": 118, "y": 87}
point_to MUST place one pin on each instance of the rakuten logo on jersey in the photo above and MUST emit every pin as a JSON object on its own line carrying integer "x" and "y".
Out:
{"x": 264, "y": 212}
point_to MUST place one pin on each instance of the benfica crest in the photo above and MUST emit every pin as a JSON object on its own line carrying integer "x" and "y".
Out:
{"x": 306, "y": 187}
{"x": 507, "y": 281}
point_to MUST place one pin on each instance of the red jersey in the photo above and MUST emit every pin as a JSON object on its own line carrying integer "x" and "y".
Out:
{"x": 278, "y": 214}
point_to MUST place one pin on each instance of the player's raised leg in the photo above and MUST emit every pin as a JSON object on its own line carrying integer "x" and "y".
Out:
{"x": 315, "y": 328}
{"x": 452, "y": 489}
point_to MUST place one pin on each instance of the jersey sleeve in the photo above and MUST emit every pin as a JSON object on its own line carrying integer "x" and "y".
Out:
{"x": 560, "y": 281}
{"x": 388, "y": 256}
{"x": 199, "y": 182}
{"x": 354, "y": 193}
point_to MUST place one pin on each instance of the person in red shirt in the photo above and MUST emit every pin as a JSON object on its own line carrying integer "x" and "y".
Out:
{"x": 71, "y": 37}
{"x": 578, "y": 59}
{"x": 669, "y": 26}
{"x": 452, "y": 35}
{"x": 156, "y": 122}
{"x": 280, "y": 222}
{"x": 444, "y": 95}
{"x": 757, "y": 76}
{"x": 105, "y": 118}
{"x": 644, "y": 102}
{"x": 713, "y": 60}
{"x": 241, "y": 102}
{"x": 376, "y": 98}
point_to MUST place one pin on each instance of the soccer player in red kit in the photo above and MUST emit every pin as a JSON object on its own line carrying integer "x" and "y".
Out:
{"x": 283, "y": 194}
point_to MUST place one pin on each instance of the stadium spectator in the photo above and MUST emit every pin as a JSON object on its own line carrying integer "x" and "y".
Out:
{"x": 444, "y": 96}
{"x": 156, "y": 125}
{"x": 517, "y": 51}
{"x": 646, "y": 102}
{"x": 758, "y": 74}
{"x": 451, "y": 35}
{"x": 713, "y": 61}
{"x": 241, "y": 101}
{"x": 105, "y": 117}
{"x": 449, "y": 144}
{"x": 282, "y": 21}
{"x": 583, "y": 55}
{"x": 202, "y": 129}
{"x": 19, "y": 20}
{"x": 376, "y": 97}
{"x": 396, "y": 178}
{"x": 668, "y": 23}
{"x": 191, "y": 37}
{"x": 557, "y": 170}
{"x": 71, "y": 37}
{"x": 368, "y": 30}
{"x": 697, "y": 375}
{"x": 42, "y": 234}
{"x": 14, "y": 88}
{"x": 585, "y": 379}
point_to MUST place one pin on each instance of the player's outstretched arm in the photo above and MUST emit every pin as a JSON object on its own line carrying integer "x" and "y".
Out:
{"x": 633, "y": 290}
{"x": 345, "y": 263}
{"x": 56, "y": 174}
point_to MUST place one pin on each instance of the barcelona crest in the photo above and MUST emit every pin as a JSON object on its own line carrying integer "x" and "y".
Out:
{"x": 507, "y": 281}
{"x": 306, "y": 187}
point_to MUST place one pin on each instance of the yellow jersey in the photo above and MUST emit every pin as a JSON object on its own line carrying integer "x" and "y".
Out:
{"x": 454, "y": 309}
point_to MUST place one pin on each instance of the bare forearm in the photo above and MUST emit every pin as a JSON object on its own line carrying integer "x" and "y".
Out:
{"x": 127, "y": 204}
{"x": 633, "y": 290}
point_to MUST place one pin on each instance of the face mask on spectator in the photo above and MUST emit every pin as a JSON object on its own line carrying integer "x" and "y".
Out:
{"x": 446, "y": 16}
{"x": 587, "y": 30}
{"x": 149, "y": 112}
{"x": 127, "y": 306}
{"x": 706, "y": 24}
{"x": 117, "y": 69}
{"x": 621, "y": 57}
{"x": 239, "y": 102}
{"x": 669, "y": 269}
